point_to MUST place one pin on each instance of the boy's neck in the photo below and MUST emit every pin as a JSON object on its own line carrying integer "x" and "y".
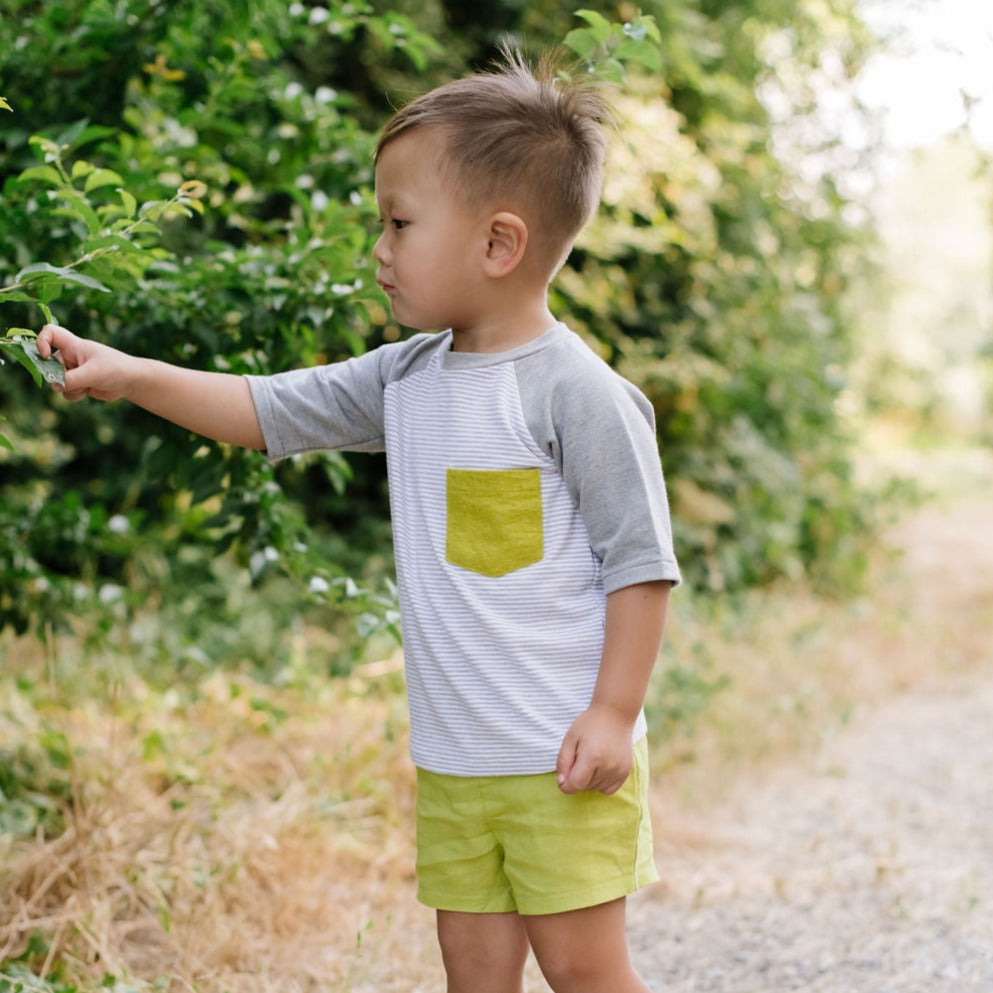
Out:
{"x": 503, "y": 332}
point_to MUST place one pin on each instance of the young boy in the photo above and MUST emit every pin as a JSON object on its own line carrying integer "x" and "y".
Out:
{"x": 532, "y": 535}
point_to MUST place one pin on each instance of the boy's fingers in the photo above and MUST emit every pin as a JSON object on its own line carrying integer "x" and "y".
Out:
{"x": 566, "y": 761}
{"x": 74, "y": 390}
{"x": 44, "y": 341}
{"x": 579, "y": 777}
{"x": 48, "y": 338}
{"x": 586, "y": 775}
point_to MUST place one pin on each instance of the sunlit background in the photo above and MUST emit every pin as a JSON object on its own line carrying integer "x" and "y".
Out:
{"x": 937, "y": 75}
{"x": 932, "y": 94}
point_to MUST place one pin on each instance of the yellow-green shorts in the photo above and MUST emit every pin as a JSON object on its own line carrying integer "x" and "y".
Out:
{"x": 494, "y": 844}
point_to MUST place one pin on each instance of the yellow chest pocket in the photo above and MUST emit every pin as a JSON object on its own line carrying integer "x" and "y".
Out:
{"x": 494, "y": 519}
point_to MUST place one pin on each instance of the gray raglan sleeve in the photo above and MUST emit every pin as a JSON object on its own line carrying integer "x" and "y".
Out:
{"x": 331, "y": 407}
{"x": 600, "y": 430}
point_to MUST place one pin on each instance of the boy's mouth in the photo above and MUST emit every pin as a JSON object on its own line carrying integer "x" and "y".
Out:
{"x": 387, "y": 288}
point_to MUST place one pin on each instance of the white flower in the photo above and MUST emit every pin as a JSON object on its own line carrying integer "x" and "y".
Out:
{"x": 110, "y": 592}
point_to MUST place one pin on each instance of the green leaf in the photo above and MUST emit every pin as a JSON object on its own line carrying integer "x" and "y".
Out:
{"x": 599, "y": 25}
{"x": 136, "y": 227}
{"x": 642, "y": 52}
{"x": 41, "y": 269}
{"x": 113, "y": 242}
{"x": 130, "y": 204}
{"x": 5, "y": 105}
{"x": 42, "y": 173}
{"x": 47, "y": 146}
{"x": 642, "y": 27}
{"x": 49, "y": 290}
{"x": 16, "y": 296}
{"x": 25, "y": 351}
{"x": 583, "y": 42}
{"x": 102, "y": 177}
{"x": 78, "y": 136}
{"x": 77, "y": 206}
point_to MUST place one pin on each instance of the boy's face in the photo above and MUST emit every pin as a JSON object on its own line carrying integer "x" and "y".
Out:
{"x": 430, "y": 250}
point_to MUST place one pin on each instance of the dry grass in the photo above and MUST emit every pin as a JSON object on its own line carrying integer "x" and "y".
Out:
{"x": 226, "y": 836}
{"x": 252, "y": 839}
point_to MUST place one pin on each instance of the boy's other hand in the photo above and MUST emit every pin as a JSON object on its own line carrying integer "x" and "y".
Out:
{"x": 92, "y": 369}
{"x": 596, "y": 753}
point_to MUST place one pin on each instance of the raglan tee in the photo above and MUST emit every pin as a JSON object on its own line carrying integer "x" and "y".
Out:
{"x": 524, "y": 486}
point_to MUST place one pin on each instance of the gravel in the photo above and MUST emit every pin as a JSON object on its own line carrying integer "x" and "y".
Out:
{"x": 868, "y": 869}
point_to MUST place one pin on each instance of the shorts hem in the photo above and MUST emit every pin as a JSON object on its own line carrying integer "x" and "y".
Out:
{"x": 468, "y": 906}
{"x": 561, "y": 903}
{"x": 558, "y": 903}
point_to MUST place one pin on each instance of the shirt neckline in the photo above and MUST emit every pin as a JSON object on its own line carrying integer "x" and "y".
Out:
{"x": 477, "y": 360}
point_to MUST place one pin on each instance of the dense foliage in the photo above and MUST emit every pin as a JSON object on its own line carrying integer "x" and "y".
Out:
{"x": 715, "y": 278}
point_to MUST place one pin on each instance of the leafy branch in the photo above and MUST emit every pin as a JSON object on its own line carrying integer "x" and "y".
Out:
{"x": 606, "y": 47}
{"x": 118, "y": 243}
{"x": 111, "y": 229}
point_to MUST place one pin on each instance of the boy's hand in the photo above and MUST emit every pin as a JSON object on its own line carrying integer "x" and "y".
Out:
{"x": 596, "y": 753}
{"x": 217, "y": 405}
{"x": 92, "y": 369}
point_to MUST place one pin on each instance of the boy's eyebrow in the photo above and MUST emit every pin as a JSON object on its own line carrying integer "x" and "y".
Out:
{"x": 389, "y": 200}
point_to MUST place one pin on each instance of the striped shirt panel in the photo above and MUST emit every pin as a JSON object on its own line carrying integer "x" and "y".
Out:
{"x": 498, "y": 667}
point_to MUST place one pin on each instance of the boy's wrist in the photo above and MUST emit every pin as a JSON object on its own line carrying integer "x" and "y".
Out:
{"x": 621, "y": 712}
{"x": 130, "y": 377}
{"x": 138, "y": 378}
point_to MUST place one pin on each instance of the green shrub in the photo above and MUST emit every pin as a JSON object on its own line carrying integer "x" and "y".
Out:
{"x": 714, "y": 278}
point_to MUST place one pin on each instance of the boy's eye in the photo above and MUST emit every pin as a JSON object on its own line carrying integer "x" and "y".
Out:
{"x": 398, "y": 224}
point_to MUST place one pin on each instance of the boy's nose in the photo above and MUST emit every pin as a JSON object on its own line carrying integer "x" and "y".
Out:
{"x": 379, "y": 251}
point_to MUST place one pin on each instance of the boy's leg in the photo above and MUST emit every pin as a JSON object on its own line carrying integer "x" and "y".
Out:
{"x": 483, "y": 953}
{"x": 585, "y": 951}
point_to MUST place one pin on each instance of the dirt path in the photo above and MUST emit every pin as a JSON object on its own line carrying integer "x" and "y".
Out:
{"x": 871, "y": 870}
{"x": 867, "y": 868}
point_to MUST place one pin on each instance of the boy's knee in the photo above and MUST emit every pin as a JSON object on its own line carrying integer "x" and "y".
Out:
{"x": 482, "y": 953}
{"x": 585, "y": 974}
{"x": 566, "y": 973}
{"x": 585, "y": 951}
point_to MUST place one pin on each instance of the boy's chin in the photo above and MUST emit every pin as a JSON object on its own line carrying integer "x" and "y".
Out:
{"x": 412, "y": 324}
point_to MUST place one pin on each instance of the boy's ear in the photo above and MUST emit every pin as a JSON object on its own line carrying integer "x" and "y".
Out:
{"x": 507, "y": 240}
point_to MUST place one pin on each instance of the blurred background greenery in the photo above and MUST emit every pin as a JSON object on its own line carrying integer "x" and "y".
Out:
{"x": 756, "y": 269}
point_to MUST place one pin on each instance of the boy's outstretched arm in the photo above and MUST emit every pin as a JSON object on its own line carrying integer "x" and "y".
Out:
{"x": 214, "y": 404}
{"x": 596, "y": 753}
